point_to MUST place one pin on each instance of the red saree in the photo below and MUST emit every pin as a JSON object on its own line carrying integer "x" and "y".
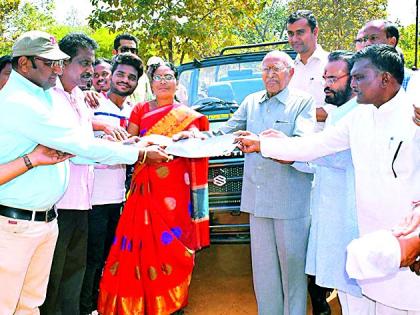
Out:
{"x": 149, "y": 267}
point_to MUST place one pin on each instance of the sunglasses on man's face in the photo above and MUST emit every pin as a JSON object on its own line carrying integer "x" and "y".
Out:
{"x": 124, "y": 49}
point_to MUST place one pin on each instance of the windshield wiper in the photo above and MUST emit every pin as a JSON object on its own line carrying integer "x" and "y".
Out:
{"x": 215, "y": 104}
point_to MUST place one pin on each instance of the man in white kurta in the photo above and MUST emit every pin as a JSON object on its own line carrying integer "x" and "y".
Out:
{"x": 385, "y": 147}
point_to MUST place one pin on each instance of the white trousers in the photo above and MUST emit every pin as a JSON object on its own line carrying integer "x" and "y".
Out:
{"x": 351, "y": 305}
{"x": 26, "y": 252}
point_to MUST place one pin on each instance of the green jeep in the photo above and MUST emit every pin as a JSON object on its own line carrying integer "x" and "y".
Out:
{"x": 216, "y": 86}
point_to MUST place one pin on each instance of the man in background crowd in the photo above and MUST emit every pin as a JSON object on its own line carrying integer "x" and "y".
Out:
{"x": 5, "y": 69}
{"x": 101, "y": 75}
{"x": 381, "y": 32}
{"x": 302, "y": 33}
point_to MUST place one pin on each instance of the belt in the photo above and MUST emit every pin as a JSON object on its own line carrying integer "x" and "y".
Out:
{"x": 21, "y": 214}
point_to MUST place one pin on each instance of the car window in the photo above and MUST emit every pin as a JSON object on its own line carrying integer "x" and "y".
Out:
{"x": 228, "y": 82}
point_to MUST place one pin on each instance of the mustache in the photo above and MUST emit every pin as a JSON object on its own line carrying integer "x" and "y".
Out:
{"x": 329, "y": 90}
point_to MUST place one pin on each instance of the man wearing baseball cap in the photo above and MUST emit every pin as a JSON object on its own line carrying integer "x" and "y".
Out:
{"x": 28, "y": 225}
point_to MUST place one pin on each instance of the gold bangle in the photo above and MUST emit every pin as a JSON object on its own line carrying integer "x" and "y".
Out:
{"x": 143, "y": 160}
{"x": 27, "y": 161}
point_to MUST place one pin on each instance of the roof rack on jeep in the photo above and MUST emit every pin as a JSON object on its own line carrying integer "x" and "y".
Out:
{"x": 251, "y": 46}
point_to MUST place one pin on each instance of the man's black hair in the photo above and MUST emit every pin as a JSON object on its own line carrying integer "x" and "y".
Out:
{"x": 303, "y": 14}
{"x": 153, "y": 67}
{"x": 391, "y": 30}
{"x": 98, "y": 61}
{"x": 384, "y": 58}
{"x": 4, "y": 60}
{"x": 130, "y": 60}
{"x": 342, "y": 55}
{"x": 124, "y": 36}
{"x": 71, "y": 43}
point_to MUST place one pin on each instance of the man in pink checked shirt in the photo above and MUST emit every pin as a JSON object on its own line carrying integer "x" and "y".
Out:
{"x": 69, "y": 260}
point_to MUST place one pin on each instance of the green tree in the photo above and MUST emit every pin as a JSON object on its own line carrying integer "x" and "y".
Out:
{"x": 268, "y": 25}
{"x": 407, "y": 44}
{"x": 8, "y": 8}
{"x": 177, "y": 29}
{"x": 17, "y": 17}
{"x": 339, "y": 20}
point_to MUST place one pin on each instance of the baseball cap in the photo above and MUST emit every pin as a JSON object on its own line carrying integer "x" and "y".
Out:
{"x": 37, "y": 43}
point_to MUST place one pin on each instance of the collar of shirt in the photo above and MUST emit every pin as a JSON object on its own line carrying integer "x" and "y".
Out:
{"x": 25, "y": 84}
{"x": 127, "y": 101}
{"x": 319, "y": 54}
{"x": 75, "y": 98}
{"x": 76, "y": 92}
{"x": 281, "y": 97}
{"x": 392, "y": 104}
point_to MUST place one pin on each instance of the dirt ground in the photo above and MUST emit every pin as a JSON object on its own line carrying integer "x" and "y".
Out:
{"x": 222, "y": 283}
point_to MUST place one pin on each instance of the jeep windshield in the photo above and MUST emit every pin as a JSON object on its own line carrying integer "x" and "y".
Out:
{"x": 226, "y": 83}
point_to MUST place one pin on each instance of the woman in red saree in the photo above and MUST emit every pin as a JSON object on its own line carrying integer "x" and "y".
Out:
{"x": 165, "y": 219}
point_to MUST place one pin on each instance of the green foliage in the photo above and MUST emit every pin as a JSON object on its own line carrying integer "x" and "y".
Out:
{"x": 407, "y": 44}
{"x": 268, "y": 25}
{"x": 102, "y": 36}
{"x": 7, "y": 11}
{"x": 339, "y": 20}
{"x": 177, "y": 30}
{"x": 21, "y": 17}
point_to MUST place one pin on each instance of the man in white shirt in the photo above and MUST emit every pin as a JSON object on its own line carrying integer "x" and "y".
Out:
{"x": 385, "y": 147}
{"x": 302, "y": 34}
{"x": 109, "y": 181}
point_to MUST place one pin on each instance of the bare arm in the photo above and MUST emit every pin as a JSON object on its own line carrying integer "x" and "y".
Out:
{"x": 39, "y": 156}
{"x": 133, "y": 129}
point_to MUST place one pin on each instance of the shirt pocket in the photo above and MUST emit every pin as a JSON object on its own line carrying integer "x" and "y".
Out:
{"x": 403, "y": 159}
{"x": 283, "y": 126}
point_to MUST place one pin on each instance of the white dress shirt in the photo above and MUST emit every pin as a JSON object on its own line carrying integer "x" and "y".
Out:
{"x": 308, "y": 78}
{"x": 385, "y": 148}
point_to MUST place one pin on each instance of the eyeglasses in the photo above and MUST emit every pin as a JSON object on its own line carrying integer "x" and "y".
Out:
{"x": 165, "y": 77}
{"x": 51, "y": 63}
{"x": 275, "y": 69}
{"x": 124, "y": 49}
{"x": 364, "y": 39}
{"x": 331, "y": 79}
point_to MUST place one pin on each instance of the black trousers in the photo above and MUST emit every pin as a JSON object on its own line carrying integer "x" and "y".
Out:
{"x": 69, "y": 264}
{"x": 103, "y": 220}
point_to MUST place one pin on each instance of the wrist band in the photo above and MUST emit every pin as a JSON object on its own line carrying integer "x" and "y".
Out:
{"x": 27, "y": 161}
{"x": 143, "y": 160}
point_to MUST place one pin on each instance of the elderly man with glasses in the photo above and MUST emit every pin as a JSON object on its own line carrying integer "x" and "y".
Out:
{"x": 277, "y": 195}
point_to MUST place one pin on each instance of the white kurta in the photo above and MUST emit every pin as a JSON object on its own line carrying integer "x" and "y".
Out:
{"x": 385, "y": 148}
